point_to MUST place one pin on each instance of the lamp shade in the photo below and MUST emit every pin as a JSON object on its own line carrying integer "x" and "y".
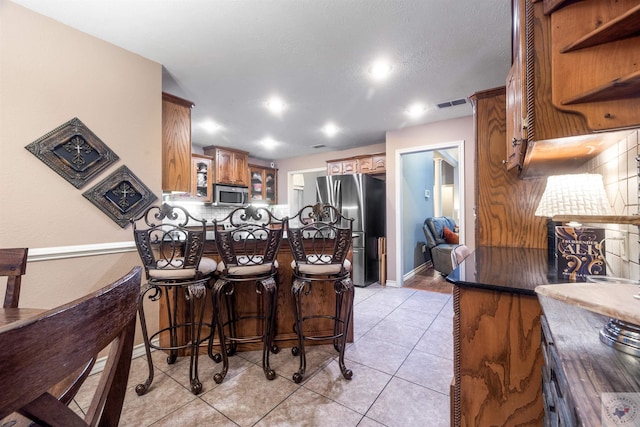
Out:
{"x": 575, "y": 194}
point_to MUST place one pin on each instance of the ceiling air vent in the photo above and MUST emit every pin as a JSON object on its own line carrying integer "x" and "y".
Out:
{"x": 318, "y": 146}
{"x": 452, "y": 103}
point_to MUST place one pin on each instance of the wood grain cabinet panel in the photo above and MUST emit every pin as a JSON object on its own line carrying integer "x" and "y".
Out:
{"x": 176, "y": 143}
{"x": 498, "y": 359}
{"x": 231, "y": 166}
{"x": 594, "y": 55}
{"x": 505, "y": 204}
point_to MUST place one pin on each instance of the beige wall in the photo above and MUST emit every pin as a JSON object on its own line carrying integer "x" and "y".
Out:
{"x": 50, "y": 73}
{"x": 431, "y": 134}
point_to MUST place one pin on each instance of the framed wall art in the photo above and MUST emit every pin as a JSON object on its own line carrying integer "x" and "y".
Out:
{"x": 121, "y": 196}
{"x": 73, "y": 152}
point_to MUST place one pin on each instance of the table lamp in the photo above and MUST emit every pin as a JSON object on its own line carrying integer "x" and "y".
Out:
{"x": 574, "y": 195}
{"x": 576, "y": 251}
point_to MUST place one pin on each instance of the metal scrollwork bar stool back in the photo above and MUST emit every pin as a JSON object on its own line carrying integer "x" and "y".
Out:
{"x": 171, "y": 242}
{"x": 248, "y": 240}
{"x": 320, "y": 239}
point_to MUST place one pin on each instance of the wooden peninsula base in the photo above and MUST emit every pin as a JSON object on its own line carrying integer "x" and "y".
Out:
{"x": 321, "y": 300}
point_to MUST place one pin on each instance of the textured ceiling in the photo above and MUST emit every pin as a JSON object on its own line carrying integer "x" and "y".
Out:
{"x": 228, "y": 56}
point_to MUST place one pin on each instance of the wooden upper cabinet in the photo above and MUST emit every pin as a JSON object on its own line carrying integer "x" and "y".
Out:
{"x": 379, "y": 163}
{"x": 176, "y": 143}
{"x": 231, "y": 166}
{"x": 372, "y": 164}
{"x": 595, "y": 50}
{"x": 334, "y": 167}
{"x": 580, "y": 81}
{"x": 201, "y": 173}
{"x": 516, "y": 89}
{"x": 350, "y": 166}
{"x": 263, "y": 187}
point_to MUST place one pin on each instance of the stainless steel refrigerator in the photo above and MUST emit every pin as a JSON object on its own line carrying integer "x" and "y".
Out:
{"x": 361, "y": 197}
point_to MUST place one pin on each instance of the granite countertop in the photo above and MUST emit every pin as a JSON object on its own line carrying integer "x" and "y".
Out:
{"x": 515, "y": 270}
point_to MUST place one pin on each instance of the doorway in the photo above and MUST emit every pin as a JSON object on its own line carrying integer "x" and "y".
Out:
{"x": 429, "y": 182}
{"x": 302, "y": 188}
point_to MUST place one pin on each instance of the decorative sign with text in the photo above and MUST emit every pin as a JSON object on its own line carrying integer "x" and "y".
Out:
{"x": 580, "y": 252}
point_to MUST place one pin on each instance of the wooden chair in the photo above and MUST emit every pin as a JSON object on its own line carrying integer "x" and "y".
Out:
{"x": 42, "y": 351}
{"x": 13, "y": 265}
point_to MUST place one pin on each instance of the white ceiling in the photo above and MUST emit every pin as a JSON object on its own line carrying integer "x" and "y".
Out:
{"x": 228, "y": 56}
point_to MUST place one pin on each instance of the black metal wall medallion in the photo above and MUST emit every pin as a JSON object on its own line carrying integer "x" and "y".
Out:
{"x": 74, "y": 152}
{"x": 121, "y": 196}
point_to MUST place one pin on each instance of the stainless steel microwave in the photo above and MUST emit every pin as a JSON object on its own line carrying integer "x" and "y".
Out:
{"x": 227, "y": 195}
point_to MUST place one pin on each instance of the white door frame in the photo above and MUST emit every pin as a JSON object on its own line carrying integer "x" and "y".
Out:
{"x": 398, "y": 190}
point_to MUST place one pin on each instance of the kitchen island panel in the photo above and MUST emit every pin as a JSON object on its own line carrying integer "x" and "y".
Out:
{"x": 321, "y": 300}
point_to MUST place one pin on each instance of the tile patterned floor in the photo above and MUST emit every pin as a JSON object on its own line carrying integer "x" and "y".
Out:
{"x": 401, "y": 358}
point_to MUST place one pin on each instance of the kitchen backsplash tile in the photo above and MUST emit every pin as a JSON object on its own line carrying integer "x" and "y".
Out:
{"x": 618, "y": 166}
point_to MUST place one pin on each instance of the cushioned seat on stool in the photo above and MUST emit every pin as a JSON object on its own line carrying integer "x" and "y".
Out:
{"x": 248, "y": 240}
{"x": 319, "y": 246}
{"x": 170, "y": 242}
{"x": 206, "y": 266}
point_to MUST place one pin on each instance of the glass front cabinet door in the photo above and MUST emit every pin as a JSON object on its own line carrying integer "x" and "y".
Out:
{"x": 263, "y": 188}
{"x": 201, "y": 171}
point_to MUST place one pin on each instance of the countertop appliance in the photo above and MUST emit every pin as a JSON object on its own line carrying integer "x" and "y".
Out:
{"x": 228, "y": 195}
{"x": 361, "y": 197}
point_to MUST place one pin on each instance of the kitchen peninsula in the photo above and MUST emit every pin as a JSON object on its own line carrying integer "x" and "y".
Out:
{"x": 520, "y": 359}
{"x": 321, "y": 300}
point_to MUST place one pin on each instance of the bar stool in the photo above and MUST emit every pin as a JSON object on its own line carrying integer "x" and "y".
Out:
{"x": 248, "y": 240}
{"x": 170, "y": 242}
{"x": 320, "y": 238}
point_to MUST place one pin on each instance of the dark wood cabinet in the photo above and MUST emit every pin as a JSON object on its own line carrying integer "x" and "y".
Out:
{"x": 231, "y": 166}
{"x": 264, "y": 184}
{"x": 176, "y": 143}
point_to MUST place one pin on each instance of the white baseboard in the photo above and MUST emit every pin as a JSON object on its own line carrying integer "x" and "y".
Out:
{"x": 417, "y": 270}
{"x": 138, "y": 351}
{"x": 392, "y": 284}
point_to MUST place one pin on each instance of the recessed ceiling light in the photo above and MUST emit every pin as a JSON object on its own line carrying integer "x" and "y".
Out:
{"x": 416, "y": 110}
{"x": 210, "y": 126}
{"x": 275, "y": 105}
{"x": 380, "y": 70}
{"x": 269, "y": 143}
{"x": 330, "y": 130}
